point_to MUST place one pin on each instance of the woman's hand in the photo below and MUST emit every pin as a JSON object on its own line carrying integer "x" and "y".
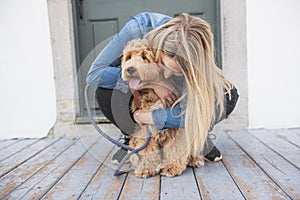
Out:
{"x": 163, "y": 92}
{"x": 143, "y": 118}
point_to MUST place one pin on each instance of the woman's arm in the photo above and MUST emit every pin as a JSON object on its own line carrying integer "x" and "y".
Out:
{"x": 104, "y": 71}
{"x": 162, "y": 119}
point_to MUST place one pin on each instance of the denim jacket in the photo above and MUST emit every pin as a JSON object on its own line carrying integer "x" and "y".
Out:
{"x": 105, "y": 71}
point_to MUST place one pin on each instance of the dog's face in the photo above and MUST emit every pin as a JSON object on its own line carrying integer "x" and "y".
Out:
{"x": 138, "y": 66}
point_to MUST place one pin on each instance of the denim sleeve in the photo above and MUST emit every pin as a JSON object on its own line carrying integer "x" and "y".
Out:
{"x": 104, "y": 71}
{"x": 168, "y": 118}
{"x": 112, "y": 79}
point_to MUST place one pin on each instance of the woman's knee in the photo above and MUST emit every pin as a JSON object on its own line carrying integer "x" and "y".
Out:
{"x": 103, "y": 96}
{"x": 115, "y": 105}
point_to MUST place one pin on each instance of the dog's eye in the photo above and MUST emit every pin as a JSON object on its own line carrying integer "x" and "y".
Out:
{"x": 128, "y": 57}
{"x": 144, "y": 56}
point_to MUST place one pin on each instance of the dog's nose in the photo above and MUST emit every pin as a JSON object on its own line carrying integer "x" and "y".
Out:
{"x": 131, "y": 70}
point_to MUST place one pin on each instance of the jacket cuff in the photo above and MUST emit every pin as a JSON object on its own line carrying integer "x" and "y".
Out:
{"x": 159, "y": 119}
{"x": 122, "y": 85}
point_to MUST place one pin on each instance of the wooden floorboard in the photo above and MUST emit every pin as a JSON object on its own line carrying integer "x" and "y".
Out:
{"x": 15, "y": 160}
{"x": 77, "y": 179}
{"x": 290, "y": 135}
{"x": 43, "y": 181}
{"x": 215, "y": 182}
{"x": 104, "y": 185}
{"x": 279, "y": 145}
{"x": 143, "y": 188}
{"x": 257, "y": 164}
{"x": 278, "y": 169}
{"x": 5, "y": 143}
{"x": 251, "y": 180}
{"x": 16, "y": 148}
{"x": 19, "y": 175}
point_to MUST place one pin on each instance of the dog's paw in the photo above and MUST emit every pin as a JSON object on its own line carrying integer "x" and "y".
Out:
{"x": 197, "y": 162}
{"x": 145, "y": 173}
{"x": 171, "y": 171}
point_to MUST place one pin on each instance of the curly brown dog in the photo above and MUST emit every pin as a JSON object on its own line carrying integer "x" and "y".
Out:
{"x": 167, "y": 152}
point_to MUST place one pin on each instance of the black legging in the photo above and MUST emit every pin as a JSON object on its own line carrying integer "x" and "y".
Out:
{"x": 115, "y": 105}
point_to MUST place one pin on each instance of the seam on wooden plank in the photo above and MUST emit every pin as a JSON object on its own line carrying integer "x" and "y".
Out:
{"x": 241, "y": 191}
{"x": 159, "y": 196}
{"x": 93, "y": 187}
{"x": 284, "y": 138}
{"x": 122, "y": 186}
{"x": 10, "y": 144}
{"x": 296, "y": 131}
{"x": 196, "y": 180}
{"x": 27, "y": 146}
{"x": 76, "y": 161}
{"x": 5, "y": 173}
{"x": 197, "y": 183}
{"x": 274, "y": 150}
{"x": 291, "y": 143}
{"x": 93, "y": 176}
{"x": 232, "y": 178}
{"x": 257, "y": 164}
{"x": 4, "y": 196}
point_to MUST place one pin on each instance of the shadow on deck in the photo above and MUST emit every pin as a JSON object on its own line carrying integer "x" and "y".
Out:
{"x": 257, "y": 164}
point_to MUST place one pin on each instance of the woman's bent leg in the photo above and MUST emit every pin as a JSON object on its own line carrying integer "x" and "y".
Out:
{"x": 115, "y": 105}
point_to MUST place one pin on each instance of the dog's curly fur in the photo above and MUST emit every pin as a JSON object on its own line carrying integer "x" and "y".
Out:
{"x": 167, "y": 152}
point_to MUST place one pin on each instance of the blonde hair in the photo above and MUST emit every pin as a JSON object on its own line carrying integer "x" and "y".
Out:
{"x": 190, "y": 42}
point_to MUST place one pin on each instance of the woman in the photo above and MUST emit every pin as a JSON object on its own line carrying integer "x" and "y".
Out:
{"x": 184, "y": 49}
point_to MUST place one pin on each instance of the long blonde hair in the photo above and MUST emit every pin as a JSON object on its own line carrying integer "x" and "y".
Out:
{"x": 190, "y": 42}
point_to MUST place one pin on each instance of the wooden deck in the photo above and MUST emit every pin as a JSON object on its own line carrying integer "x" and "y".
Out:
{"x": 257, "y": 164}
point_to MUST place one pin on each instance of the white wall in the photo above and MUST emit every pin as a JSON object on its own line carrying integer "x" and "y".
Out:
{"x": 274, "y": 63}
{"x": 27, "y": 103}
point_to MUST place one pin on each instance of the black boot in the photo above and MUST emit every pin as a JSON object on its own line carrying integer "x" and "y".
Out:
{"x": 121, "y": 153}
{"x": 210, "y": 152}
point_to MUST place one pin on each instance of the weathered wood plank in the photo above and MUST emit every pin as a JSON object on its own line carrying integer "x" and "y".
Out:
{"x": 38, "y": 184}
{"x": 74, "y": 182}
{"x": 281, "y": 171}
{"x": 180, "y": 187}
{"x": 144, "y": 189}
{"x": 19, "y": 175}
{"x": 215, "y": 182}
{"x": 252, "y": 181}
{"x": 104, "y": 185}
{"x": 6, "y": 143}
{"x": 281, "y": 146}
{"x": 65, "y": 170}
{"x": 289, "y": 135}
{"x": 24, "y": 155}
{"x": 16, "y": 147}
